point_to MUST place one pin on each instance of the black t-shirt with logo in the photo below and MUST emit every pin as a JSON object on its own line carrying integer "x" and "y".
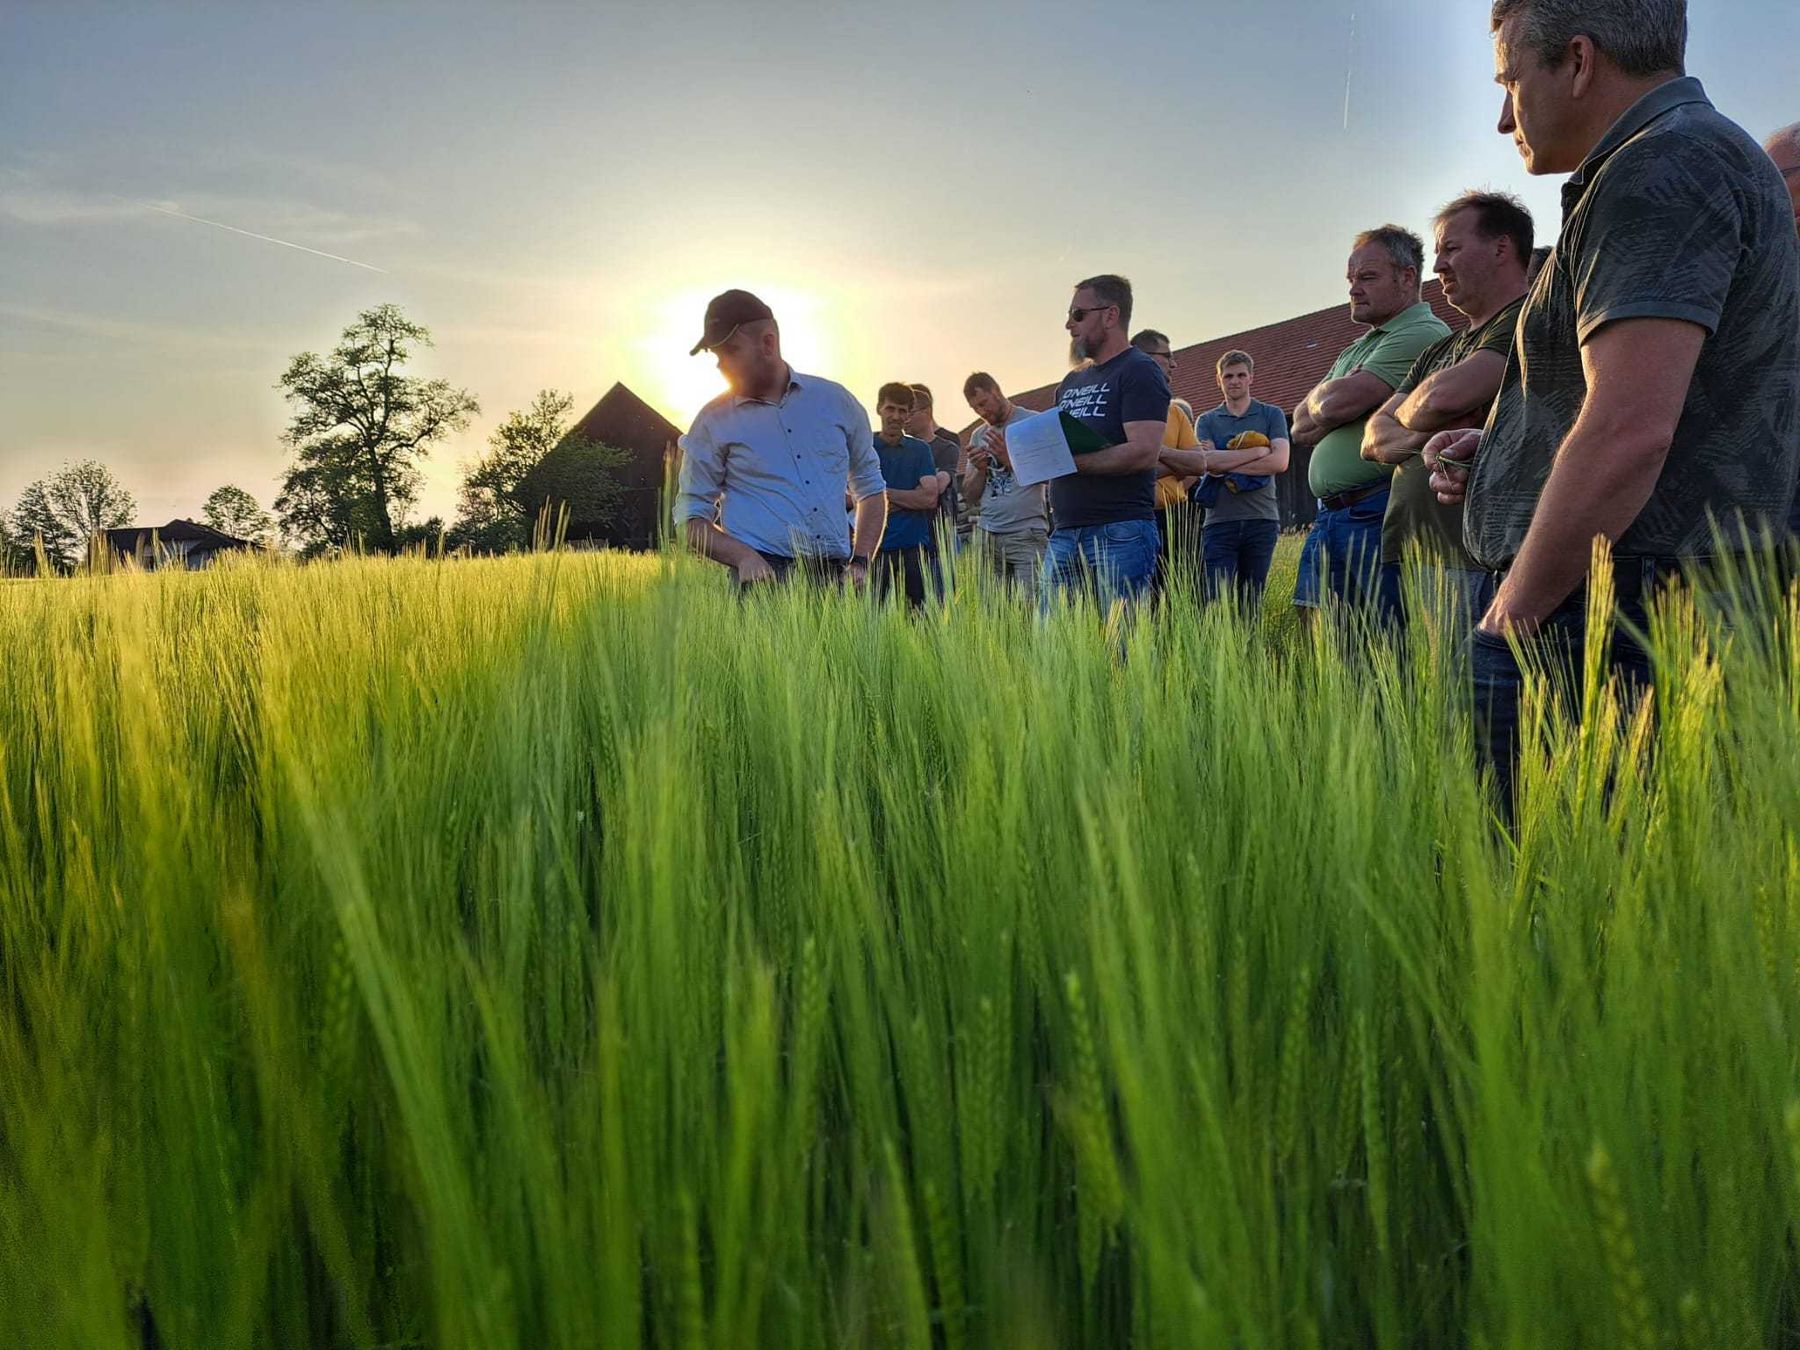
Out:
{"x": 1131, "y": 387}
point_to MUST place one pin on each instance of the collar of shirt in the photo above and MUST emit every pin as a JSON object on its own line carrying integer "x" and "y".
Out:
{"x": 1411, "y": 314}
{"x": 1662, "y": 99}
{"x": 793, "y": 383}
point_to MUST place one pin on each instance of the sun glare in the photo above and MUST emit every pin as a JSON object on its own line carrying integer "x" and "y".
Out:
{"x": 681, "y": 385}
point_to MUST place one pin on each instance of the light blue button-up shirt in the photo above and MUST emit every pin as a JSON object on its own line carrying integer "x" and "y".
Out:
{"x": 773, "y": 475}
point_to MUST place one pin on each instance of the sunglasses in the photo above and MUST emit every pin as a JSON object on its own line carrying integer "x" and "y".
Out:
{"x": 1077, "y": 315}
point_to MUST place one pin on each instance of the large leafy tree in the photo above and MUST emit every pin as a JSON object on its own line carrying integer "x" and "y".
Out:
{"x": 360, "y": 426}
{"x": 578, "y": 483}
{"x": 68, "y": 508}
{"x": 533, "y": 465}
{"x": 491, "y": 517}
{"x": 233, "y": 511}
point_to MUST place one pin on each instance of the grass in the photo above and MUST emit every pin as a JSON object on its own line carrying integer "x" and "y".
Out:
{"x": 560, "y": 951}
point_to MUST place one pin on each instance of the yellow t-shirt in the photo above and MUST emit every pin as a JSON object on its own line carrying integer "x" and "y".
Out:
{"x": 1179, "y": 435}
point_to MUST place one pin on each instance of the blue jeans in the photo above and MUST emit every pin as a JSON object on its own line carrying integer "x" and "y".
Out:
{"x": 1342, "y": 557}
{"x": 1238, "y": 554}
{"x": 1113, "y": 562}
{"x": 1497, "y": 681}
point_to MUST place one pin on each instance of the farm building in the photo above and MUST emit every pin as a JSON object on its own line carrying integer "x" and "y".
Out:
{"x": 180, "y": 543}
{"x": 624, "y": 421}
{"x": 1291, "y": 357}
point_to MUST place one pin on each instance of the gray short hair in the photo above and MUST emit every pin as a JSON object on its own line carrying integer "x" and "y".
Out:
{"x": 1236, "y": 358}
{"x": 1404, "y": 247}
{"x": 1641, "y": 37}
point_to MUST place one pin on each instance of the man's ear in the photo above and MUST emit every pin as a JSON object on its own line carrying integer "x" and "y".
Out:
{"x": 1581, "y": 56}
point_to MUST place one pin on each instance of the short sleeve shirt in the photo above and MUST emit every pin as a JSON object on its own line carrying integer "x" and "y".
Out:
{"x": 1414, "y": 512}
{"x": 1131, "y": 387}
{"x": 1387, "y": 352}
{"x": 1221, "y": 427}
{"x": 903, "y": 468}
{"x": 1008, "y": 506}
{"x": 1676, "y": 214}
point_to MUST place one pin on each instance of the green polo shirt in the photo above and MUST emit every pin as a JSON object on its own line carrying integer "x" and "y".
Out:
{"x": 1387, "y": 352}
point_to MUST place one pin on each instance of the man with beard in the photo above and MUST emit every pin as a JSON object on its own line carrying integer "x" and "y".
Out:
{"x": 1652, "y": 399}
{"x": 1484, "y": 247}
{"x": 766, "y": 465}
{"x": 1106, "y": 510}
{"x": 1013, "y": 525}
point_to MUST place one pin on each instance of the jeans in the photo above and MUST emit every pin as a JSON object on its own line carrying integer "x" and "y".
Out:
{"x": 908, "y": 569}
{"x": 1342, "y": 557}
{"x": 1497, "y": 681}
{"x": 1238, "y": 554}
{"x": 1114, "y": 562}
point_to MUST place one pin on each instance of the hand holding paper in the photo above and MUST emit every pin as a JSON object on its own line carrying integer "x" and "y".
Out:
{"x": 1044, "y": 446}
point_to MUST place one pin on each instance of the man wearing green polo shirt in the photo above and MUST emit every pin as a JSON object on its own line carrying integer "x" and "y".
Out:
{"x": 1342, "y": 556}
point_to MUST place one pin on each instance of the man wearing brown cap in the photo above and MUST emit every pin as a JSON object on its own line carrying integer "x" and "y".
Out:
{"x": 766, "y": 465}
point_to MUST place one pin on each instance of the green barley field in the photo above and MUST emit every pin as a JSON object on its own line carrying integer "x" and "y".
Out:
{"x": 558, "y": 951}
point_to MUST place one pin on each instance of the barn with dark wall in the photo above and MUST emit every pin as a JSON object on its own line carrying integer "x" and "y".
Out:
{"x": 623, "y": 420}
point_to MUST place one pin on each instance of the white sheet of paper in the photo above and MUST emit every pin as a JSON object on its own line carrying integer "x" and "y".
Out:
{"x": 1038, "y": 448}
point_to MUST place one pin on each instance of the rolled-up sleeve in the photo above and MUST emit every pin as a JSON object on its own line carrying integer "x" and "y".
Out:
{"x": 865, "y": 464}
{"x": 702, "y": 475}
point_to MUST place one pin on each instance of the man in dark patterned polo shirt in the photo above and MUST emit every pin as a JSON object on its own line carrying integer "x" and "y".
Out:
{"x": 1655, "y": 386}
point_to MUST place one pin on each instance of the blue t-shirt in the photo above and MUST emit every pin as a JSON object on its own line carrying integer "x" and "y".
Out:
{"x": 904, "y": 467}
{"x": 1129, "y": 388}
{"x": 1243, "y": 496}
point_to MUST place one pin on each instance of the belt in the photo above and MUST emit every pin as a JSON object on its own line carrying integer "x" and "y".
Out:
{"x": 1339, "y": 500}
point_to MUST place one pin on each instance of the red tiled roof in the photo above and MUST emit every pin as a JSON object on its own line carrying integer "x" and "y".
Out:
{"x": 1291, "y": 357}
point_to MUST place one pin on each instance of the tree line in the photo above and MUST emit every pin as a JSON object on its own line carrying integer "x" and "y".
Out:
{"x": 360, "y": 427}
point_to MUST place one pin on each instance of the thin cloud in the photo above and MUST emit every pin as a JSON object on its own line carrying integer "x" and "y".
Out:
{"x": 252, "y": 234}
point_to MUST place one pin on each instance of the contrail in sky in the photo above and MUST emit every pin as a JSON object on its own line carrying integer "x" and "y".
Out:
{"x": 1349, "y": 69}
{"x": 266, "y": 238}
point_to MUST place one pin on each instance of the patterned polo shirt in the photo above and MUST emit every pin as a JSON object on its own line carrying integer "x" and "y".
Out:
{"x": 1676, "y": 214}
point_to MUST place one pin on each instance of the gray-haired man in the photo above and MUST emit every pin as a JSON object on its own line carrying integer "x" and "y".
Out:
{"x": 1653, "y": 394}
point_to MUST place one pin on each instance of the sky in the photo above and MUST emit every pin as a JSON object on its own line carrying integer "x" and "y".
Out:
{"x": 554, "y": 190}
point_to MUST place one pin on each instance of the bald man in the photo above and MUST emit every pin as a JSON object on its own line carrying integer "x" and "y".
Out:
{"x": 1784, "y": 149}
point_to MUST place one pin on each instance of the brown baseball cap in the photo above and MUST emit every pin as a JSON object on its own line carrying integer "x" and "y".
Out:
{"x": 725, "y": 314}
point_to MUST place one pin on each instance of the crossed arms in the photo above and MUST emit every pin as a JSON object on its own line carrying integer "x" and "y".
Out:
{"x": 1337, "y": 403}
{"x": 1457, "y": 396}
